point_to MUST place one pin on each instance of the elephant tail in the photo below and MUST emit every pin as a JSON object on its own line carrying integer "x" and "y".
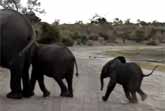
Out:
{"x": 151, "y": 71}
{"x": 77, "y": 74}
{"x": 33, "y": 41}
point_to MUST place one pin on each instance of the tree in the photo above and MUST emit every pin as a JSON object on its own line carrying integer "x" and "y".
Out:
{"x": 96, "y": 19}
{"x": 56, "y": 22}
{"x": 156, "y": 23}
{"x": 35, "y": 6}
{"x": 117, "y": 21}
{"x": 142, "y": 23}
{"x": 32, "y": 17}
{"x": 32, "y": 6}
{"x": 79, "y": 22}
{"x": 127, "y": 22}
{"x": 10, "y": 4}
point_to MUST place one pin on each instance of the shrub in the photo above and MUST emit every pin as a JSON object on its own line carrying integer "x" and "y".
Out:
{"x": 79, "y": 38}
{"x": 104, "y": 35}
{"x": 84, "y": 39}
{"x": 75, "y": 35}
{"x": 49, "y": 34}
{"x": 93, "y": 36}
{"x": 138, "y": 35}
{"x": 67, "y": 41}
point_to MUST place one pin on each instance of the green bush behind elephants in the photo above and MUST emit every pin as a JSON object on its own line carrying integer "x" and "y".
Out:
{"x": 98, "y": 33}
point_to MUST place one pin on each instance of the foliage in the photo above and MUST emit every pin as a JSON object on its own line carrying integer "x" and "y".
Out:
{"x": 139, "y": 35}
{"x": 98, "y": 20}
{"x": 67, "y": 41}
{"x": 10, "y": 4}
{"x": 32, "y": 17}
{"x": 117, "y": 21}
{"x": 35, "y": 6}
{"x": 32, "y": 6}
{"x": 80, "y": 38}
{"x": 109, "y": 33}
{"x": 49, "y": 34}
{"x": 104, "y": 35}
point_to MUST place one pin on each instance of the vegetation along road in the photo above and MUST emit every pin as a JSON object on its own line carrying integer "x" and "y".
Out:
{"x": 87, "y": 94}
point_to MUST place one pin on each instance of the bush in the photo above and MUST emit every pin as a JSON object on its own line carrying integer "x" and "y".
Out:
{"x": 75, "y": 35}
{"x": 67, "y": 41}
{"x": 79, "y": 38}
{"x": 84, "y": 39}
{"x": 49, "y": 34}
{"x": 104, "y": 35}
{"x": 139, "y": 36}
{"x": 93, "y": 36}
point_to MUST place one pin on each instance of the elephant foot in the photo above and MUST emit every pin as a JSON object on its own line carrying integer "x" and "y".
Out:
{"x": 104, "y": 98}
{"x": 13, "y": 95}
{"x": 46, "y": 94}
{"x": 144, "y": 97}
{"x": 66, "y": 94}
{"x": 70, "y": 95}
{"x": 133, "y": 101}
{"x": 27, "y": 94}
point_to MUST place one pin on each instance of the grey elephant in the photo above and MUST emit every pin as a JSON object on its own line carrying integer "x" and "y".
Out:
{"x": 128, "y": 74}
{"x": 15, "y": 37}
{"x": 54, "y": 61}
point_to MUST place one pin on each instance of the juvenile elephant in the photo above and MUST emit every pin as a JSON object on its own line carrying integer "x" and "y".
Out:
{"x": 128, "y": 74}
{"x": 54, "y": 61}
{"x": 15, "y": 38}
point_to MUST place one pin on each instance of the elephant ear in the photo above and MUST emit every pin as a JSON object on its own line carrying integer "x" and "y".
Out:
{"x": 114, "y": 64}
{"x": 121, "y": 59}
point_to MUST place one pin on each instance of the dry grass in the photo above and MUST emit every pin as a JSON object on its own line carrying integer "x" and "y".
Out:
{"x": 146, "y": 57}
{"x": 139, "y": 54}
{"x": 148, "y": 65}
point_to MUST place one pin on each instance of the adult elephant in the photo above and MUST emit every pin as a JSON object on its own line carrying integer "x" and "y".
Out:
{"x": 15, "y": 38}
{"x": 128, "y": 74}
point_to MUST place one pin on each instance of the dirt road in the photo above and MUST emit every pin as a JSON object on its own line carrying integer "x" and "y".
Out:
{"x": 87, "y": 94}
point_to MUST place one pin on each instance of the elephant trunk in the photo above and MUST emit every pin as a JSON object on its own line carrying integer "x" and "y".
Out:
{"x": 102, "y": 82}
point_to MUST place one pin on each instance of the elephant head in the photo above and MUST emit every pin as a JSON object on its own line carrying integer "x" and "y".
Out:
{"x": 109, "y": 67}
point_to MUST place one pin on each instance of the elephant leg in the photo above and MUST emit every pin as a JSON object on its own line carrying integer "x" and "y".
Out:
{"x": 33, "y": 81}
{"x": 134, "y": 97}
{"x": 142, "y": 94}
{"x": 42, "y": 86}
{"x": 26, "y": 82}
{"x": 15, "y": 82}
{"x": 110, "y": 87}
{"x": 64, "y": 91}
{"x": 69, "y": 79}
{"x": 127, "y": 92}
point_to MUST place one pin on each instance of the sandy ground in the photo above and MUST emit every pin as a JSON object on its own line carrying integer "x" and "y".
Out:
{"x": 87, "y": 94}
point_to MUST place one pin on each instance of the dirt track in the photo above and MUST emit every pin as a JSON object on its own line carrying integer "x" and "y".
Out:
{"x": 87, "y": 94}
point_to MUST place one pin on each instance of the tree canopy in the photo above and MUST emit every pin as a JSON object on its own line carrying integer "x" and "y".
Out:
{"x": 32, "y": 6}
{"x": 30, "y": 10}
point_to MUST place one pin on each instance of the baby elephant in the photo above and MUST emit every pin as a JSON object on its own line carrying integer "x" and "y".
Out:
{"x": 128, "y": 74}
{"x": 54, "y": 61}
